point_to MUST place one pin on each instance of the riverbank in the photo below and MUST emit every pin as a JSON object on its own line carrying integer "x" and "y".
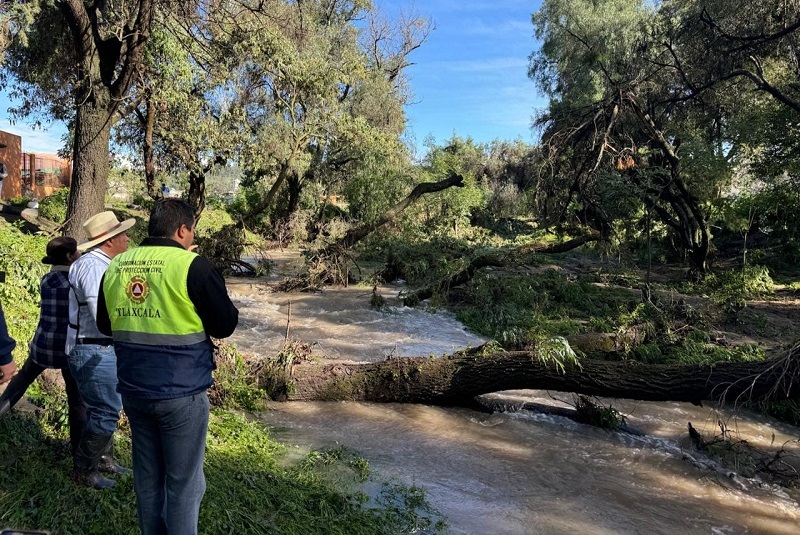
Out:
{"x": 517, "y": 472}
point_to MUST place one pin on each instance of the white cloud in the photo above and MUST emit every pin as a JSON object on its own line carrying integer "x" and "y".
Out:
{"x": 483, "y": 65}
{"x": 39, "y": 140}
{"x": 504, "y": 29}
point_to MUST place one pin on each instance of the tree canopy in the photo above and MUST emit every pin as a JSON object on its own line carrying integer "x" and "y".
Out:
{"x": 657, "y": 99}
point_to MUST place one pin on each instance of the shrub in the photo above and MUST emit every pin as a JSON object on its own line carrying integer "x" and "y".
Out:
{"x": 731, "y": 289}
{"x": 20, "y": 293}
{"x": 598, "y": 415}
{"x": 506, "y": 200}
{"x": 54, "y": 207}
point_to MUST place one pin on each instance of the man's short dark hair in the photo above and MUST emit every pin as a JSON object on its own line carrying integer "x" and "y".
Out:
{"x": 167, "y": 217}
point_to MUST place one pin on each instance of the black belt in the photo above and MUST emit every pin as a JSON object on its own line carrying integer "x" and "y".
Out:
{"x": 95, "y": 341}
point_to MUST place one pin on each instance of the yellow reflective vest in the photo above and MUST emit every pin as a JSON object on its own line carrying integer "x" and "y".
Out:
{"x": 147, "y": 297}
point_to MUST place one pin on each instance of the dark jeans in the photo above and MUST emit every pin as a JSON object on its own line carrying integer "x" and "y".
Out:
{"x": 169, "y": 445}
{"x": 95, "y": 370}
{"x": 27, "y": 375}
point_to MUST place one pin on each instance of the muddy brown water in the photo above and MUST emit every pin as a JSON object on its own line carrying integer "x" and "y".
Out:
{"x": 513, "y": 472}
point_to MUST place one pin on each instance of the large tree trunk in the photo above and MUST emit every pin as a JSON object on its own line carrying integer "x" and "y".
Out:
{"x": 295, "y": 189}
{"x": 105, "y": 68}
{"x": 91, "y": 166}
{"x": 148, "y": 121}
{"x": 249, "y": 219}
{"x": 197, "y": 190}
{"x": 689, "y": 221}
{"x": 457, "y": 379}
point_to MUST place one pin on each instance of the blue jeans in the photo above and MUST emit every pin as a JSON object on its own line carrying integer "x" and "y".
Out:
{"x": 169, "y": 445}
{"x": 95, "y": 370}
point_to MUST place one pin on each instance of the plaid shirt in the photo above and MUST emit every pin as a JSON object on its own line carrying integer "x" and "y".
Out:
{"x": 47, "y": 346}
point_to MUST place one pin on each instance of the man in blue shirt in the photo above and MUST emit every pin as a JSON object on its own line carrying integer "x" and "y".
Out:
{"x": 7, "y": 345}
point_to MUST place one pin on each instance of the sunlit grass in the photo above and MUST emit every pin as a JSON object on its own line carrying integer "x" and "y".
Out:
{"x": 252, "y": 488}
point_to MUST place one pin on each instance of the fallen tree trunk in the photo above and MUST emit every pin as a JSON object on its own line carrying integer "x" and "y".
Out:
{"x": 32, "y": 223}
{"x": 331, "y": 265}
{"x": 497, "y": 260}
{"x": 457, "y": 379}
{"x": 355, "y": 235}
{"x": 605, "y": 343}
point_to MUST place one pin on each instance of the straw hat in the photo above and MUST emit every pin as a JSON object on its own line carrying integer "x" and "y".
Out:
{"x": 103, "y": 226}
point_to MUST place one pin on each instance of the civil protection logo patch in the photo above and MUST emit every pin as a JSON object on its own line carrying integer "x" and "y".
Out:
{"x": 137, "y": 290}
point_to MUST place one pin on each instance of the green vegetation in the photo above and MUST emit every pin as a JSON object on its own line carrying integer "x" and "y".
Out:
{"x": 21, "y": 260}
{"x": 593, "y": 413}
{"x": 735, "y": 453}
{"x": 54, "y": 207}
{"x": 250, "y": 488}
{"x": 670, "y": 135}
{"x": 511, "y": 308}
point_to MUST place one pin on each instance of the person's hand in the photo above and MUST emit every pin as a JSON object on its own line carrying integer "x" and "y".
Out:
{"x": 193, "y": 247}
{"x": 7, "y": 371}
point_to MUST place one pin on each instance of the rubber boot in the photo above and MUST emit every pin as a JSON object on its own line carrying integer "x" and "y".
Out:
{"x": 109, "y": 465}
{"x": 5, "y": 405}
{"x": 77, "y": 422}
{"x": 87, "y": 458}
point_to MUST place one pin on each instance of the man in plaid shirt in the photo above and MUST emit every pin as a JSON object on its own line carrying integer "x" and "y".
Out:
{"x": 47, "y": 346}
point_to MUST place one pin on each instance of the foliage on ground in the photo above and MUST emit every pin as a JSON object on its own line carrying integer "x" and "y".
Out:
{"x": 21, "y": 261}
{"x": 227, "y": 244}
{"x": 777, "y": 466}
{"x": 731, "y": 289}
{"x": 547, "y": 297}
{"x": 592, "y": 412}
{"x": 54, "y": 207}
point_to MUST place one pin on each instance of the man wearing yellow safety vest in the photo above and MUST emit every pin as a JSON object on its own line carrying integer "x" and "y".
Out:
{"x": 160, "y": 302}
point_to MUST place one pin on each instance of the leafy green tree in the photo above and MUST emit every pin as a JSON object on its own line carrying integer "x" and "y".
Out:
{"x": 453, "y": 208}
{"x": 376, "y": 185}
{"x": 713, "y": 42}
{"x": 183, "y": 117}
{"x": 320, "y": 96}
{"x": 105, "y": 43}
{"x": 618, "y": 107}
{"x": 511, "y": 170}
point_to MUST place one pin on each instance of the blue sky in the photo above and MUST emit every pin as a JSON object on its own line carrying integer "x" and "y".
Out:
{"x": 469, "y": 78}
{"x": 39, "y": 140}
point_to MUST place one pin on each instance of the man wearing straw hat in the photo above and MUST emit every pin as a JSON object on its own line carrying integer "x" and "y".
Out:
{"x": 91, "y": 353}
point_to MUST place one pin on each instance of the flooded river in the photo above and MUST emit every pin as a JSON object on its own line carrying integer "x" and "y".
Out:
{"x": 513, "y": 472}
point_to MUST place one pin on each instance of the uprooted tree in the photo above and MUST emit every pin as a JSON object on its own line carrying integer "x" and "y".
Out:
{"x": 329, "y": 264}
{"x": 498, "y": 260}
{"x": 457, "y": 379}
